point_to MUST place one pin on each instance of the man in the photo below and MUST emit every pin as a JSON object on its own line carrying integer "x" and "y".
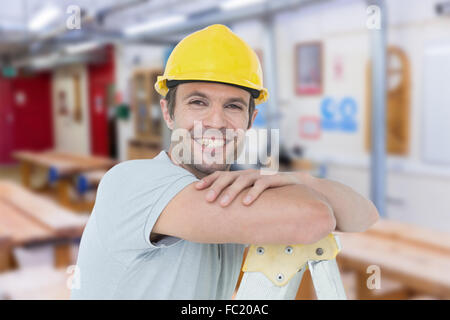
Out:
{"x": 158, "y": 232}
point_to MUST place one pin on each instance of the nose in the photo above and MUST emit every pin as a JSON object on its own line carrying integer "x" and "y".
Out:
{"x": 215, "y": 118}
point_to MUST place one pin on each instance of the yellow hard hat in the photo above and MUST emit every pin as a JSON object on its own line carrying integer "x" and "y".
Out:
{"x": 214, "y": 54}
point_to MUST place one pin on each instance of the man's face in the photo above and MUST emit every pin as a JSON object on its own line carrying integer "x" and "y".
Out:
{"x": 216, "y": 117}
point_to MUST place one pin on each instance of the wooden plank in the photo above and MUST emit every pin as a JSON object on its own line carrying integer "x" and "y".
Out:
{"x": 75, "y": 163}
{"x": 43, "y": 211}
{"x": 45, "y": 159}
{"x": 66, "y": 163}
{"x": 412, "y": 234}
{"x": 29, "y": 218}
{"x": 21, "y": 229}
{"x": 421, "y": 269}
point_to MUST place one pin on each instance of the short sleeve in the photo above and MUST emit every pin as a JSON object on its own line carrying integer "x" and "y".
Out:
{"x": 130, "y": 198}
{"x": 168, "y": 194}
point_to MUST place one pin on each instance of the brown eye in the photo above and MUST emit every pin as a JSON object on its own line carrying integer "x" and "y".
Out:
{"x": 234, "y": 106}
{"x": 197, "y": 102}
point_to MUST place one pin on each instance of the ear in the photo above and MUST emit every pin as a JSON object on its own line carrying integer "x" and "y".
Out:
{"x": 255, "y": 113}
{"x": 166, "y": 115}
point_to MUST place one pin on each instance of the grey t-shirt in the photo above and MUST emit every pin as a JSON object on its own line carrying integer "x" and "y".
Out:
{"x": 116, "y": 259}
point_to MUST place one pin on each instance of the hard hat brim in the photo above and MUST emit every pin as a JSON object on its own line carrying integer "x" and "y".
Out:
{"x": 173, "y": 83}
{"x": 161, "y": 85}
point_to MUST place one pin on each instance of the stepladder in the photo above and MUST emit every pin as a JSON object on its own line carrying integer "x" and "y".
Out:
{"x": 275, "y": 272}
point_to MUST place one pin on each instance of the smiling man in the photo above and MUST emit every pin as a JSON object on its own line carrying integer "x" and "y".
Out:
{"x": 175, "y": 227}
{"x": 207, "y": 144}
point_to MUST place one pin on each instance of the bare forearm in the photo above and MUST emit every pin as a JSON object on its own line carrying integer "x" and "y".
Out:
{"x": 288, "y": 214}
{"x": 353, "y": 212}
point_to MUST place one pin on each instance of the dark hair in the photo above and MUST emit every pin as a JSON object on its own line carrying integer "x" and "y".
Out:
{"x": 171, "y": 97}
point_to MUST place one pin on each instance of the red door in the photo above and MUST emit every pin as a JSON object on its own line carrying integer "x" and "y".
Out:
{"x": 6, "y": 122}
{"x": 100, "y": 78}
{"x": 25, "y": 115}
{"x": 31, "y": 100}
{"x": 99, "y": 119}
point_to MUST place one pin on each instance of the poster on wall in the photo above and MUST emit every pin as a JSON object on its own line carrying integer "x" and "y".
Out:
{"x": 308, "y": 68}
{"x": 309, "y": 127}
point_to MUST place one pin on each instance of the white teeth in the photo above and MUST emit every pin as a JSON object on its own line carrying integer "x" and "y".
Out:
{"x": 210, "y": 143}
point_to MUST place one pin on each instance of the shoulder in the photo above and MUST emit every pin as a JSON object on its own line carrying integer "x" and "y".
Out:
{"x": 142, "y": 171}
{"x": 123, "y": 171}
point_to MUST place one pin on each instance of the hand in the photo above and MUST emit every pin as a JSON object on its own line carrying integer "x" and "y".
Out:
{"x": 228, "y": 184}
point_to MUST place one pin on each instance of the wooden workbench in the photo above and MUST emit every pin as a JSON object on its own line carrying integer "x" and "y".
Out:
{"x": 64, "y": 167}
{"x": 27, "y": 219}
{"x": 415, "y": 257}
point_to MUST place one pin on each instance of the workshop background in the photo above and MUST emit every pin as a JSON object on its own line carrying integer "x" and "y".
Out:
{"x": 359, "y": 90}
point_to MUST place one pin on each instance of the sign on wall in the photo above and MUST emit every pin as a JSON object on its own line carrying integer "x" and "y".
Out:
{"x": 339, "y": 115}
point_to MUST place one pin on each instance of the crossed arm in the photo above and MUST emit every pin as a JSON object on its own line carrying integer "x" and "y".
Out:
{"x": 283, "y": 208}
{"x": 353, "y": 212}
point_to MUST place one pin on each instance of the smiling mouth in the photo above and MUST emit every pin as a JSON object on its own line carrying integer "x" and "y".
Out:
{"x": 212, "y": 143}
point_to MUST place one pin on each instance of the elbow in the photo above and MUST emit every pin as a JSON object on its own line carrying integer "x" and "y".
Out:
{"x": 368, "y": 217}
{"x": 373, "y": 215}
{"x": 320, "y": 223}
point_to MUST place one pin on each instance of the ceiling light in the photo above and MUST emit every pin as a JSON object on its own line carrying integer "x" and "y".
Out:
{"x": 82, "y": 47}
{"x": 44, "y": 17}
{"x": 44, "y": 61}
{"x": 234, "y": 4}
{"x": 154, "y": 24}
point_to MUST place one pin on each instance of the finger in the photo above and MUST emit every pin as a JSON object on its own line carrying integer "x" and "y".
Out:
{"x": 259, "y": 186}
{"x": 223, "y": 181}
{"x": 266, "y": 182}
{"x": 280, "y": 179}
{"x": 207, "y": 181}
{"x": 230, "y": 193}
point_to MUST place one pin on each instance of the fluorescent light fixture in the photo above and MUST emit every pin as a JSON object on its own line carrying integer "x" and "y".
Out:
{"x": 235, "y": 4}
{"x": 45, "y": 61}
{"x": 82, "y": 47}
{"x": 44, "y": 17}
{"x": 155, "y": 24}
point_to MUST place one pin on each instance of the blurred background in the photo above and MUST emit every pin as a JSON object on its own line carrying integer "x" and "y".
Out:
{"x": 359, "y": 90}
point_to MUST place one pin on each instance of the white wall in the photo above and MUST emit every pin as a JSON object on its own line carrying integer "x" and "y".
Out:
{"x": 70, "y": 135}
